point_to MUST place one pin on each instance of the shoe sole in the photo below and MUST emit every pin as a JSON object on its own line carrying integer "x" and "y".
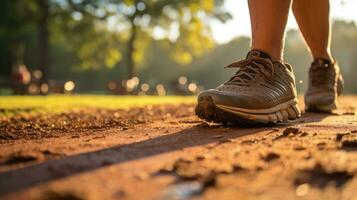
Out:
{"x": 330, "y": 107}
{"x": 206, "y": 109}
{"x": 322, "y": 108}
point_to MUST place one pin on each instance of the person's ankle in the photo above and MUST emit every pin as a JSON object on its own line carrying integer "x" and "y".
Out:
{"x": 259, "y": 53}
{"x": 324, "y": 56}
{"x": 273, "y": 54}
{"x": 323, "y": 62}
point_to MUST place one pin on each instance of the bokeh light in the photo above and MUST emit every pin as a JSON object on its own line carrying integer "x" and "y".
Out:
{"x": 69, "y": 86}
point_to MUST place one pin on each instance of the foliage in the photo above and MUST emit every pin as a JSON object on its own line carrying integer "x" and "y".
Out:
{"x": 94, "y": 34}
{"x": 81, "y": 27}
{"x": 184, "y": 22}
{"x": 89, "y": 42}
{"x": 17, "y": 19}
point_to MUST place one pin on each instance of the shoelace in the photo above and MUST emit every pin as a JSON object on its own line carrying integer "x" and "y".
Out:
{"x": 319, "y": 75}
{"x": 248, "y": 68}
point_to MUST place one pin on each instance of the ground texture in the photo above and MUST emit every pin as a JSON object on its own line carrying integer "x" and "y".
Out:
{"x": 165, "y": 152}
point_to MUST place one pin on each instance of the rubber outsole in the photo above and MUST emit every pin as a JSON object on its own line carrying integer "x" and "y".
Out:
{"x": 322, "y": 108}
{"x": 206, "y": 109}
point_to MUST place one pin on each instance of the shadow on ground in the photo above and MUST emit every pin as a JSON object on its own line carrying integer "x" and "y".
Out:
{"x": 55, "y": 169}
{"x": 202, "y": 134}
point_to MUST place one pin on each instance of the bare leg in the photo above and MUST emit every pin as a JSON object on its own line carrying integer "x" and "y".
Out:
{"x": 314, "y": 23}
{"x": 268, "y": 22}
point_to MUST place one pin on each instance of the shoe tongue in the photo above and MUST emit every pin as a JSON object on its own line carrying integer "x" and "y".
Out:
{"x": 252, "y": 54}
{"x": 258, "y": 53}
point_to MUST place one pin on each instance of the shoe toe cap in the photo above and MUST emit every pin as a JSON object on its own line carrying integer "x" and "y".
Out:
{"x": 230, "y": 99}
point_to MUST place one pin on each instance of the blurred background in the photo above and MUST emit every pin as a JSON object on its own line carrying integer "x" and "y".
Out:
{"x": 144, "y": 47}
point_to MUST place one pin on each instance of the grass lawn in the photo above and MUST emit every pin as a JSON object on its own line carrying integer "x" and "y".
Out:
{"x": 59, "y": 103}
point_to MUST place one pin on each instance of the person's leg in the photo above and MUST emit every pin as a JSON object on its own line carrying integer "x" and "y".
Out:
{"x": 325, "y": 80}
{"x": 314, "y": 23}
{"x": 263, "y": 89}
{"x": 268, "y": 22}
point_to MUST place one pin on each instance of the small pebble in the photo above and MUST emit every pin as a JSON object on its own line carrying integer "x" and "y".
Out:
{"x": 302, "y": 189}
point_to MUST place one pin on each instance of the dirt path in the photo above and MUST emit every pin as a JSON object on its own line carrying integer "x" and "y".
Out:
{"x": 164, "y": 152}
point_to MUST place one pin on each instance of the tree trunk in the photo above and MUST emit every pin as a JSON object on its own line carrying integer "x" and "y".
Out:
{"x": 43, "y": 40}
{"x": 131, "y": 49}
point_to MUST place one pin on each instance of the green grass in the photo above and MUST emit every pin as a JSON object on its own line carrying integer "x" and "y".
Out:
{"x": 10, "y": 105}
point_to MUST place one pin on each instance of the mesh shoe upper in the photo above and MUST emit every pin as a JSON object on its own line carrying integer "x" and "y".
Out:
{"x": 324, "y": 81}
{"x": 258, "y": 84}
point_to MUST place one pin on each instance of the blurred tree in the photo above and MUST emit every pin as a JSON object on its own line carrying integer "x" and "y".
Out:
{"x": 17, "y": 23}
{"x": 43, "y": 39}
{"x": 19, "y": 20}
{"x": 96, "y": 34}
{"x": 73, "y": 24}
{"x": 184, "y": 22}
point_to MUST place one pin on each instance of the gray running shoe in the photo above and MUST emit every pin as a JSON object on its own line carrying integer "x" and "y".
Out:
{"x": 325, "y": 84}
{"x": 262, "y": 91}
